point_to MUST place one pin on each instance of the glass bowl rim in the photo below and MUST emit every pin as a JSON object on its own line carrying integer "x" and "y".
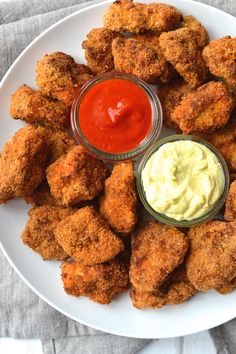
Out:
{"x": 217, "y": 205}
{"x": 157, "y": 117}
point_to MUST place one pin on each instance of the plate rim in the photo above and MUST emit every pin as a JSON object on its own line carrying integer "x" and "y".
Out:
{"x": 11, "y": 262}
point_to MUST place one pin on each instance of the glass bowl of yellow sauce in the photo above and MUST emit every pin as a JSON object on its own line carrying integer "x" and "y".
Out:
{"x": 183, "y": 180}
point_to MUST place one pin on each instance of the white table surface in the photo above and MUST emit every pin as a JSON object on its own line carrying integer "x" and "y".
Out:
{"x": 200, "y": 343}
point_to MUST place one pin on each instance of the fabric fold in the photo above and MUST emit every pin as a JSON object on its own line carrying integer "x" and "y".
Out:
{"x": 106, "y": 343}
{"x": 15, "y": 10}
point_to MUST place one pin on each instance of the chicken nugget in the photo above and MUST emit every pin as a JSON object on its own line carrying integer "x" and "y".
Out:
{"x": 227, "y": 288}
{"x": 98, "y": 51}
{"x": 34, "y": 108}
{"x": 156, "y": 251}
{"x": 181, "y": 50}
{"x": 22, "y": 164}
{"x": 211, "y": 262}
{"x": 101, "y": 282}
{"x": 225, "y": 141}
{"x": 170, "y": 96}
{"x": 175, "y": 290}
{"x": 126, "y": 16}
{"x": 220, "y": 56}
{"x": 141, "y": 59}
{"x": 39, "y": 231}
{"x": 200, "y": 33}
{"x": 76, "y": 176}
{"x": 41, "y": 196}
{"x": 118, "y": 205}
{"x": 230, "y": 205}
{"x": 87, "y": 238}
{"x": 59, "y": 142}
{"x": 168, "y": 71}
{"x": 60, "y": 77}
{"x": 161, "y": 17}
{"x": 204, "y": 110}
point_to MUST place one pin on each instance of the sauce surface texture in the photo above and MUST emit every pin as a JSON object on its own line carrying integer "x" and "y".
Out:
{"x": 183, "y": 180}
{"x": 115, "y": 116}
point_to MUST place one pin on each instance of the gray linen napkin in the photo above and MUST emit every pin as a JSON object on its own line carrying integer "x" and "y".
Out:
{"x": 23, "y": 314}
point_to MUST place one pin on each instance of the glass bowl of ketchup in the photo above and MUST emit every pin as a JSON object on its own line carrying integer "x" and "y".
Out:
{"x": 116, "y": 116}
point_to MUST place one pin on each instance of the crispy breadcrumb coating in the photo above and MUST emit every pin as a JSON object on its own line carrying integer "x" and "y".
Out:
{"x": 140, "y": 58}
{"x": 168, "y": 71}
{"x": 39, "y": 231}
{"x": 181, "y": 50}
{"x": 22, "y": 164}
{"x": 220, "y": 56}
{"x": 98, "y": 51}
{"x": 87, "y": 238}
{"x": 204, "y": 110}
{"x": 41, "y": 196}
{"x": 230, "y": 205}
{"x": 60, "y": 77}
{"x": 227, "y": 288}
{"x": 170, "y": 96}
{"x": 175, "y": 290}
{"x": 156, "y": 251}
{"x": 59, "y": 142}
{"x": 101, "y": 282}
{"x": 161, "y": 17}
{"x": 126, "y": 16}
{"x": 225, "y": 141}
{"x": 34, "y": 108}
{"x": 76, "y": 176}
{"x": 211, "y": 262}
{"x": 150, "y": 37}
{"x": 200, "y": 33}
{"x": 118, "y": 205}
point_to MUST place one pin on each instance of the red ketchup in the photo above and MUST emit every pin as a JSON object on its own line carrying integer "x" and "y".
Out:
{"x": 115, "y": 116}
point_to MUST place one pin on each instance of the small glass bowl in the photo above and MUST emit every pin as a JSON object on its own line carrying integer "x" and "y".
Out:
{"x": 183, "y": 223}
{"x": 145, "y": 144}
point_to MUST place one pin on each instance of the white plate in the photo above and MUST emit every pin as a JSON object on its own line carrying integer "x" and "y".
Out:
{"x": 202, "y": 312}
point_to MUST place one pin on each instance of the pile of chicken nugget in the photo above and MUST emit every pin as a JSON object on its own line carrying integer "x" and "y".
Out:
{"x": 86, "y": 214}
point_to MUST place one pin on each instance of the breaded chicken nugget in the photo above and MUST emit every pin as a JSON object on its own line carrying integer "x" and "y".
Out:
{"x": 204, "y": 110}
{"x": 87, "y": 238}
{"x": 101, "y": 282}
{"x": 168, "y": 71}
{"x": 34, "y": 108}
{"x": 170, "y": 96}
{"x": 41, "y": 196}
{"x": 211, "y": 262}
{"x": 161, "y": 17}
{"x": 141, "y": 59}
{"x": 118, "y": 205}
{"x": 181, "y": 50}
{"x": 126, "y": 16}
{"x": 59, "y": 76}
{"x": 225, "y": 141}
{"x": 76, "y": 176}
{"x": 230, "y": 205}
{"x": 175, "y": 290}
{"x": 39, "y": 231}
{"x": 227, "y": 288}
{"x": 22, "y": 164}
{"x": 98, "y": 51}
{"x": 156, "y": 251}
{"x": 59, "y": 142}
{"x": 200, "y": 33}
{"x": 220, "y": 56}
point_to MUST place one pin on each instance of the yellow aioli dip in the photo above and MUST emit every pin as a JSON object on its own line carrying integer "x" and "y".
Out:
{"x": 183, "y": 180}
